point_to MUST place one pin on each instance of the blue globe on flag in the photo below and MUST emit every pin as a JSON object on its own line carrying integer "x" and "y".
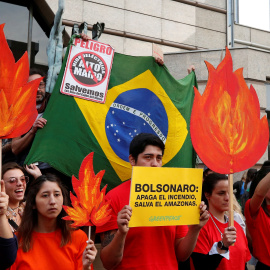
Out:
{"x": 133, "y": 112}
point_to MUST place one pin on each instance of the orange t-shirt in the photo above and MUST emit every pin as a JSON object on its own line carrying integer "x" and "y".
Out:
{"x": 47, "y": 253}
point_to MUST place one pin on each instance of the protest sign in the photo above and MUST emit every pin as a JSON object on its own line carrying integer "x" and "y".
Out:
{"x": 165, "y": 196}
{"x": 88, "y": 70}
{"x": 233, "y": 136}
{"x": 89, "y": 208}
{"x": 17, "y": 96}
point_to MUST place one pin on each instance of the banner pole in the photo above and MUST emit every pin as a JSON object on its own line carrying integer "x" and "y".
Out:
{"x": 231, "y": 223}
{"x": 89, "y": 232}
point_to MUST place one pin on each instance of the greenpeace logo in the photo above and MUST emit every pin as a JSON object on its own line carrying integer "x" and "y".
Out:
{"x": 164, "y": 218}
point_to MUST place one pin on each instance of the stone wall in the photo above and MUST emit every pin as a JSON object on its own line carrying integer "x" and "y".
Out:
{"x": 162, "y": 20}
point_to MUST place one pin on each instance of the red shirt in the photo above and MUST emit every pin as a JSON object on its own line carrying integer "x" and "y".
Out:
{"x": 145, "y": 247}
{"x": 259, "y": 229}
{"x": 239, "y": 253}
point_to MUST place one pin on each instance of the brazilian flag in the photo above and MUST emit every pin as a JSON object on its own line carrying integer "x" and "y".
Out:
{"x": 142, "y": 97}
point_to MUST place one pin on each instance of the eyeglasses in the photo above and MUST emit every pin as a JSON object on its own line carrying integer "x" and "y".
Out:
{"x": 14, "y": 180}
{"x": 42, "y": 85}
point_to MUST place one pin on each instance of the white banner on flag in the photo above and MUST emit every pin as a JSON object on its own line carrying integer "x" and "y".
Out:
{"x": 88, "y": 70}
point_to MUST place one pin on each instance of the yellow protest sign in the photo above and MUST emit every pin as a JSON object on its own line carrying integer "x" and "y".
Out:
{"x": 165, "y": 196}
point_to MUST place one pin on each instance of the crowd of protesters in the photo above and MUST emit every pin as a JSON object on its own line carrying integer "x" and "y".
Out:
{"x": 33, "y": 234}
{"x": 48, "y": 242}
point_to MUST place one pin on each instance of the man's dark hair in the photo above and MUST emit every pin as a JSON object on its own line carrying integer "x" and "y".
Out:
{"x": 35, "y": 70}
{"x": 250, "y": 176}
{"x": 139, "y": 143}
{"x": 266, "y": 164}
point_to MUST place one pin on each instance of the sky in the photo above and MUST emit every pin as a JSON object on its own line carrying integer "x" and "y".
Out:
{"x": 254, "y": 13}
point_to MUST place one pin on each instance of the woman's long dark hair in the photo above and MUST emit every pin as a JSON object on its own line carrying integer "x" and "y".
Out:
{"x": 209, "y": 184}
{"x": 30, "y": 216}
{"x": 257, "y": 178}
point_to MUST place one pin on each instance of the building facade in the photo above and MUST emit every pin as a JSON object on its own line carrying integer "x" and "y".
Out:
{"x": 189, "y": 32}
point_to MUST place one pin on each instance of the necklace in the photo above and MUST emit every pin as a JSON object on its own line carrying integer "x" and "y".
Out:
{"x": 216, "y": 226}
{"x": 15, "y": 208}
{"x": 11, "y": 214}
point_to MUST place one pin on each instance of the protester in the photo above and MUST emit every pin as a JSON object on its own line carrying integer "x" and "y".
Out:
{"x": 8, "y": 242}
{"x": 219, "y": 246}
{"x": 250, "y": 176}
{"x": 21, "y": 145}
{"x": 257, "y": 213}
{"x": 239, "y": 187}
{"x": 15, "y": 184}
{"x": 46, "y": 241}
{"x": 144, "y": 247}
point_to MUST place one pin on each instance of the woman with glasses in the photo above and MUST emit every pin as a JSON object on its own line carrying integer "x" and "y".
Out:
{"x": 15, "y": 184}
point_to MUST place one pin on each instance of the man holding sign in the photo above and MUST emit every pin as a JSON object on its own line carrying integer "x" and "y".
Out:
{"x": 144, "y": 247}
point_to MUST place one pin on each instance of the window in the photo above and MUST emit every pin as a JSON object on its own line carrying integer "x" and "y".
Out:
{"x": 15, "y": 15}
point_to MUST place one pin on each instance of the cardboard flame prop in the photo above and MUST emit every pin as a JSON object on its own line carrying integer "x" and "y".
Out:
{"x": 89, "y": 207}
{"x": 17, "y": 97}
{"x": 226, "y": 130}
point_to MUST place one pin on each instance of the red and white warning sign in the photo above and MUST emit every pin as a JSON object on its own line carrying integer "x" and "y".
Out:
{"x": 88, "y": 70}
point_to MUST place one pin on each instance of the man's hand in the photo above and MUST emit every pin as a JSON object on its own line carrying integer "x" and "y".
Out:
{"x": 39, "y": 123}
{"x": 190, "y": 69}
{"x": 3, "y": 199}
{"x": 85, "y": 37}
{"x": 204, "y": 214}
{"x": 89, "y": 254}
{"x": 33, "y": 170}
{"x": 229, "y": 236}
{"x": 159, "y": 61}
{"x": 123, "y": 219}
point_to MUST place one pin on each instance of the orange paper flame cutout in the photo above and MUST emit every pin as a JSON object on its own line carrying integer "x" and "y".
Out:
{"x": 17, "y": 97}
{"x": 89, "y": 207}
{"x": 226, "y": 130}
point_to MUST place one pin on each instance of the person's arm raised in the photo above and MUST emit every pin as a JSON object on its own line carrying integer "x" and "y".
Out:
{"x": 33, "y": 170}
{"x": 260, "y": 192}
{"x": 18, "y": 144}
{"x": 113, "y": 241}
